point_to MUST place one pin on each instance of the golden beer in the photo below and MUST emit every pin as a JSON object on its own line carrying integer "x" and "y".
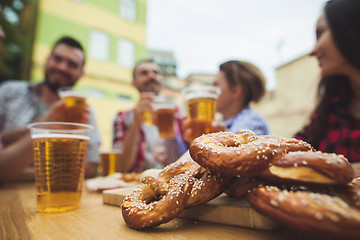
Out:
{"x": 148, "y": 118}
{"x": 201, "y": 107}
{"x": 165, "y": 122}
{"x": 201, "y": 112}
{"x": 109, "y": 162}
{"x": 75, "y": 105}
{"x": 75, "y": 101}
{"x": 59, "y": 170}
{"x": 199, "y": 127}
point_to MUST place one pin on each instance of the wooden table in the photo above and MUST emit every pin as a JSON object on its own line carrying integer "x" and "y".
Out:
{"x": 94, "y": 220}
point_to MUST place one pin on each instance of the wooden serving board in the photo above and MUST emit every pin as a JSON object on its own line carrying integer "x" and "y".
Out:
{"x": 223, "y": 210}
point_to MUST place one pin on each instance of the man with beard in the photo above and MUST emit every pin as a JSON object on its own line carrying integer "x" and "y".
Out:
{"x": 22, "y": 102}
{"x": 140, "y": 143}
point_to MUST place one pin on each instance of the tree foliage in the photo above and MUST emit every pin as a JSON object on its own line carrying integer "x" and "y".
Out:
{"x": 16, "y": 44}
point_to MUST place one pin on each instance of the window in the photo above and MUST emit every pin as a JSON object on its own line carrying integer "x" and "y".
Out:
{"x": 125, "y": 56}
{"x": 122, "y": 97}
{"x": 128, "y": 10}
{"x": 99, "y": 46}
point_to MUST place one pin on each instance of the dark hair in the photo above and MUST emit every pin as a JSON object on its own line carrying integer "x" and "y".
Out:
{"x": 140, "y": 62}
{"x": 343, "y": 17}
{"x": 71, "y": 42}
{"x": 247, "y": 76}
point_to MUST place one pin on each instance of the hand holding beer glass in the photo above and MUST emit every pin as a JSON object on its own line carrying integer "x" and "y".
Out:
{"x": 145, "y": 106}
{"x": 159, "y": 111}
{"x": 60, "y": 151}
{"x": 201, "y": 107}
{"x": 164, "y": 117}
{"x": 76, "y": 106}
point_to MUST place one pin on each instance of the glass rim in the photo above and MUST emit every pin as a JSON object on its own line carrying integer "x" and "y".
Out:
{"x": 69, "y": 91}
{"x": 201, "y": 87}
{"x": 110, "y": 150}
{"x": 36, "y": 124}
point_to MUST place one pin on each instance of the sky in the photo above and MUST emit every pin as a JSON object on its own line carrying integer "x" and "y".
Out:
{"x": 202, "y": 34}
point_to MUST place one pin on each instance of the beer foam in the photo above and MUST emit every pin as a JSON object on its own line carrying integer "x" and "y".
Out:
{"x": 164, "y": 106}
{"x": 190, "y": 96}
{"x": 60, "y": 135}
{"x": 71, "y": 94}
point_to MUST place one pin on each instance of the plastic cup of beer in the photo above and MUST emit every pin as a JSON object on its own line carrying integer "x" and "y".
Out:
{"x": 164, "y": 110}
{"x": 60, "y": 151}
{"x": 110, "y": 162}
{"x": 201, "y": 107}
{"x": 75, "y": 102}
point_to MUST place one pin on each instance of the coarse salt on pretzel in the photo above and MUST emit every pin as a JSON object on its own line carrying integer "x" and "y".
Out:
{"x": 243, "y": 154}
{"x": 159, "y": 199}
{"x": 312, "y": 213}
{"x": 144, "y": 208}
{"x": 310, "y": 168}
{"x": 290, "y": 144}
{"x": 207, "y": 184}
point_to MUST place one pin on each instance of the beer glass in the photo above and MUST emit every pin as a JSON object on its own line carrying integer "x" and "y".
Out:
{"x": 60, "y": 151}
{"x": 201, "y": 107}
{"x": 164, "y": 110}
{"x": 110, "y": 162}
{"x": 147, "y": 118}
{"x": 75, "y": 103}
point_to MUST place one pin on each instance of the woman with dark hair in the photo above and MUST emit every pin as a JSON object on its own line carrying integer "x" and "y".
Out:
{"x": 335, "y": 123}
{"x": 241, "y": 83}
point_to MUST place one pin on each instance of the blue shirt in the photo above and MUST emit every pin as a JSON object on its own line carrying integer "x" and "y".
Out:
{"x": 248, "y": 119}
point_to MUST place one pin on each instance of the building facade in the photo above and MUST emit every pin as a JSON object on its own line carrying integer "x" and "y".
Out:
{"x": 288, "y": 108}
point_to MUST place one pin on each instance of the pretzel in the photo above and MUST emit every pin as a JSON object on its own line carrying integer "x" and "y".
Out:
{"x": 241, "y": 186}
{"x": 207, "y": 184}
{"x": 351, "y": 193}
{"x": 140, "y": 212}
{"x": 180, "y": 185}
{"x": 312, "y": 213}
{"x": 243, "y": 154}
{"x": 310, "y": 168}
{"x": 356, "y": 181}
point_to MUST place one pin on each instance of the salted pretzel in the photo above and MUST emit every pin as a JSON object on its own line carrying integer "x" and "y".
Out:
{"x": 243, "y": 154}
{"x": 180, "y": 185}
{"x": 310, "y": 168}
{"x": 140, "y": 211}
{"x": 241, "y": 186}
{"x": 207, "y": 184}
{"x": 312, "y": 213}
{"x": 351, "y": 193}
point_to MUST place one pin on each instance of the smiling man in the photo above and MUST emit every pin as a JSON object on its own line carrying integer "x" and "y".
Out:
{"x": 141, "y": 146}
{"x": 22, "y": 102}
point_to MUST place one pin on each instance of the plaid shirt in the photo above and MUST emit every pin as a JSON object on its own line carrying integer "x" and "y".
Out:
{"x": 342, "y": 135}
{"x": 144, "y": 159}
{"x": 20, "y": 104}
{"x": 248, "y": 119}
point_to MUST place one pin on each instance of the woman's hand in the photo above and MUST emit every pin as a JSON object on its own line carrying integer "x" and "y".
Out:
{"x": 187, "y": 130}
